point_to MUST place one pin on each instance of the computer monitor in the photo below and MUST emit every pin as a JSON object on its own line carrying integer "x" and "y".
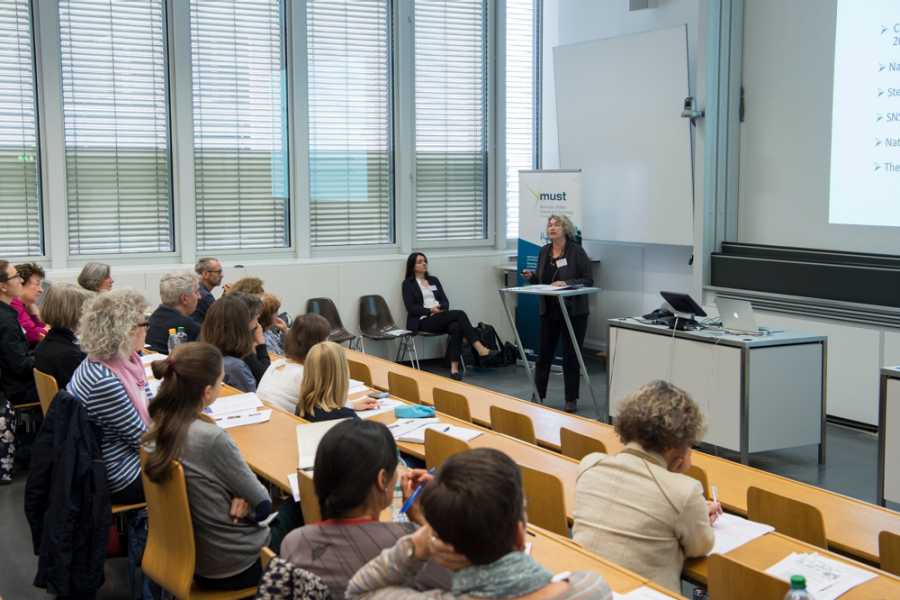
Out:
{"x": 683, "y": 305}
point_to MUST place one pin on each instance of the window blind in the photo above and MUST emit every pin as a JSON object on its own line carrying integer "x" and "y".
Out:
{"x": 20, "y": 205}
{"x": 240, "y": 124}
{"x": 520, "y": 102}
{"x": 451, "y": 119}
{"x": 350, "y": 122}
{"x": 114, "y": 80}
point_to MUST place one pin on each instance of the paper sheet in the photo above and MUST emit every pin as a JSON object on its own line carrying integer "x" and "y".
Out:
{"x": 242, "y": 418}
{"x": 148, "y": 372}
{"x": 641, "y": 593}
{"x": 153, "y": 384}
{"x": 404, "y": 426}
{"x": 356, "y": 386}
{"x": 826, "y": 578}
{"x": 295, "y": 486}
{"x": 240, "y": 403}
{"x": 733, "y": 531}
{"x": 146, "y": 359}
{"x": 384, "y": 405}
{"x": 308, "y": 437}
{"x": 417, "y": 436}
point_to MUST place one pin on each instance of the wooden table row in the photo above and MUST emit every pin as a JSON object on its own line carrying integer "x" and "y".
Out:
{"x": 852, "y": 526}
{"x": 271, "y": 451}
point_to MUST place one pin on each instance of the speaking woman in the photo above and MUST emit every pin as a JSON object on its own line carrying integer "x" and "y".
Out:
{"x": 427, "y": 309}
{"x": 561, "y": 262}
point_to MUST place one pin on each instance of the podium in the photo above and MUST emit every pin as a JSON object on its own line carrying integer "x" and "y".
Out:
{"x": 561, "y": 293}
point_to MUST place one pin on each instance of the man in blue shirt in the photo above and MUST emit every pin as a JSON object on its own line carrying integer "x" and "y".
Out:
{"x": 210, "y": 272}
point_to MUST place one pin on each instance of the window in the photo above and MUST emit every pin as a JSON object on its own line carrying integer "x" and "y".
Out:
{"x": 240, "y": 124}
{"x": 20, "y": 192}
{"x": 451, "y": 119}
{"x": 350, "y": 122}
{"x": 116, "y": 126}
{"x": 521, "y": 93}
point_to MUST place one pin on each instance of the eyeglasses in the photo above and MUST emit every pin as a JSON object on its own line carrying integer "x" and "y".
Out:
{"x": 11, "y": 277}
{"x": 219, "y": 272}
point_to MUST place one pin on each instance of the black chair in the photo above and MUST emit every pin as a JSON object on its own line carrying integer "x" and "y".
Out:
{"x": 326, "y": 308}
{"x": 375, "y": 323}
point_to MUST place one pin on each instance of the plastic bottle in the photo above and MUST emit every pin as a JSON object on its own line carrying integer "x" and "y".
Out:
{"x": 798, "y": 589}
{"x": 182, "y": 336}
{"x": 173, "y": 339}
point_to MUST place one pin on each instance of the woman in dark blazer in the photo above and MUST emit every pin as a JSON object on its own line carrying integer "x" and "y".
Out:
{"x": 59, "y": 354}
{"x": 561, "y": 262}
{"x": 427, "y": 309}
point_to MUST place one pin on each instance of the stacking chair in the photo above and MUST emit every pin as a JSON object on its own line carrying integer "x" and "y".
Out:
{"x": 700, "y": 475}
{"x": 403, "y": 387}
{"x": 513, "y": 424}
{"x": 577, "y": 445}
{"x": 440, "y": 446}
{"x": 788, "y": 516}
{"x": 46, "y": 389}
{"x": 360, "y": 372}
{"x": 451, "y": 403}
{"x": 309, "y": 502}
{"x": 326, "y": 308}
{"x": 889, "y": 552}
{"x": 545, "y": 501}
{"x": 729, "y": 579}
{"x": 375, "y": 320}
{"x": 170, "y": 552}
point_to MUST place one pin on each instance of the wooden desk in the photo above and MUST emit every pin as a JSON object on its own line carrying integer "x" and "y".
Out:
{"x": 852, "y": 526}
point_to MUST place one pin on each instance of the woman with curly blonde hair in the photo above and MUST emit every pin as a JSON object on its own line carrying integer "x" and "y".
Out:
{"x": 111, "y": 385}
{"x": 638, "y": 508}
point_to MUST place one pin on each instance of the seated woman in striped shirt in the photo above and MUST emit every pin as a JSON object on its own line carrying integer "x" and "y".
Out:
{"x": 112, "y": 385}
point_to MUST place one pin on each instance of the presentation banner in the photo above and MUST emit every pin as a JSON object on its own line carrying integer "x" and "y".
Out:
{"x": 541, "y": 193}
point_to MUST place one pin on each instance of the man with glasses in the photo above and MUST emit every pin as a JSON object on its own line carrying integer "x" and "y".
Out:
{"x": 209, "y": 270}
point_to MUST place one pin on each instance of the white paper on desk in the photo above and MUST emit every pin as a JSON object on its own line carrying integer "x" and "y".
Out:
{"x": 146, "y": 359}
{"x": 403, "y": 426}
{"x": 417, "y": 436}
{"x": 384, "y": 405}
{"x": 396, "y": 332}
{"x": 308, "y": 437}
{"x": 242, "y": 418}
{"x": 148, "y": 372}
{"x": 239, "y": 403}
{"x": 356, "y": 386}
{"x": 826, "y": 578}
{"x": 153, "y": 384}
{"x": 641, "y": 593}
{"x": 733, "y": 531}
{"x": 295, "y": 486}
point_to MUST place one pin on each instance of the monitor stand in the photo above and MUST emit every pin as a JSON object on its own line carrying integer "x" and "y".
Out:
{"x": 684, "y": 322}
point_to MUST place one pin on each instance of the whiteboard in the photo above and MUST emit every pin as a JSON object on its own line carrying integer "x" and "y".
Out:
{"x": 618, "y": 111}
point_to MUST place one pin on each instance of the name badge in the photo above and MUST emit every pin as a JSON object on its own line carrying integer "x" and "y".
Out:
{"x": 561, "y": 263}
{"x": 433, "y": 288}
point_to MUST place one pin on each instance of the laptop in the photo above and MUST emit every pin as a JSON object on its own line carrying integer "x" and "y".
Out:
{"x": 737, "y": 315}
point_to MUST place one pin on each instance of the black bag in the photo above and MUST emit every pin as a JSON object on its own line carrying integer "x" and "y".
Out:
{"x": 506, "y": 352}
{"x": 489, "y": 336}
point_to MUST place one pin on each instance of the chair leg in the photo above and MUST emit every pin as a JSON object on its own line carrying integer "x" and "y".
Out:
{"x": 415, "y": 353}
{"x": 362, "y": 344}
{"x": 401, "y": 350}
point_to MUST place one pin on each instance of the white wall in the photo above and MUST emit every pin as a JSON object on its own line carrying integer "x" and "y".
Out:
{"x": 470, "y": 279}
{"x": 631, "y": 275}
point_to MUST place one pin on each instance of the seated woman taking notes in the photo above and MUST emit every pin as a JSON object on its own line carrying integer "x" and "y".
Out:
{"x": 326, "y": 380}
{"x": 227, "y": 501}
{"x": 637, "y": 508}
{"x": 427, "y": 309}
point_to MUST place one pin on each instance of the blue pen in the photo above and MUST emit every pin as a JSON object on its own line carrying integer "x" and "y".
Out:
{"x": 414, "y": 496}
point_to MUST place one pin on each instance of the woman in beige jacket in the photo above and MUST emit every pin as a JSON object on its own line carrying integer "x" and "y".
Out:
{"x": 637, "y": 508}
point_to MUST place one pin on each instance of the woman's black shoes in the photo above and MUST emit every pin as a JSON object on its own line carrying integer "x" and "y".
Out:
{"x": 456, "y": 376}
{"x": 571, "y": 407}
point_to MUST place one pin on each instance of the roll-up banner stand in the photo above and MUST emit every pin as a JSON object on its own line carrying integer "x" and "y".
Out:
{"x": 542, "y": 193}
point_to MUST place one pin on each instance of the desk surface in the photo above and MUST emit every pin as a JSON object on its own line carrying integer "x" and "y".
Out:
{"x": 852, "y": 526}
{"x": 720, "y": 337}
{"x": 545, "y": 290}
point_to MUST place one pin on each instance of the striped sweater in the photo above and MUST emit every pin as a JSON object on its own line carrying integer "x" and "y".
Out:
{"x": 109, "y": 407}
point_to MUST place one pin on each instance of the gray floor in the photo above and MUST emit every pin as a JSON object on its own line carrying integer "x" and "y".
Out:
{"x": 850, "y": 469}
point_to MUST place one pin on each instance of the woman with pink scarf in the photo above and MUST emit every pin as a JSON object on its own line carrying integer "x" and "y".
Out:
{"x": 111, "y": 384}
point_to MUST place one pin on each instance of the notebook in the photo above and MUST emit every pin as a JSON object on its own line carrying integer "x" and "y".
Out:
{"x": 308, "y": 437}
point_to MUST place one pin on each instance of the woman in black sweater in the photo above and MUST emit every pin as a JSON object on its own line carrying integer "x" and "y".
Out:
{"x": 427, "y": 309}
{"x": 59, "y": 354}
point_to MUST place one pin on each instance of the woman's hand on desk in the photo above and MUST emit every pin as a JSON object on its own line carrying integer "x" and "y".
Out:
{"x": 364, "y": 404}
{"x": 559, "y": 284}
{"x": 714, "y": 509}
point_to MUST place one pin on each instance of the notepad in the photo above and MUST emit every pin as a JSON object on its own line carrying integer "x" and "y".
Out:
{"x": 417, "y": 436}
{"x": 239, "y": 403}
{"x": 242, "y": 418}
{"x": 308, "y": 437}
{"x": 826, "y": 578}
{"x": 641, "y": 593}
{"x": 733, "y": 531}
{"x": 384, "y": 405}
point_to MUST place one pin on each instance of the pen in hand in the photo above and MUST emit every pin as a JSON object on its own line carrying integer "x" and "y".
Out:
{"x": 414, "y": 496}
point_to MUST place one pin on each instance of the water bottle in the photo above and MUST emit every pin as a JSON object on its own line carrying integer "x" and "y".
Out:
{"x": 798, "y": 589}
{"x": 182, "y": 336}
{"x": 173, "y": 339}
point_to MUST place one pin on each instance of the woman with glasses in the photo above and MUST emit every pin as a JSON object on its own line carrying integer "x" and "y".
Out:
{"x": 112, "y": 385}
{"x": 16, "y": 364}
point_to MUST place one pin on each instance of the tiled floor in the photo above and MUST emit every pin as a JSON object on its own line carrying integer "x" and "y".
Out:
{"x": 850, "y": 469}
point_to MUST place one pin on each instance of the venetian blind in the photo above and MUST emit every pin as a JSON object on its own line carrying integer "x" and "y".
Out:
{"x": 520, "y": 102}
{"x": 451, "y": 119}
{"x": 240, "y": 124}
{"x": 115, "y": 109}
{"x": 20, "y": 205}
{"x": 350, "y": 122}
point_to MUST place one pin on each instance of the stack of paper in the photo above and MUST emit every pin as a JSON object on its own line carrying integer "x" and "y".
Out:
{"x": 308, "y": 437}
{"x": 240, "y": 409}
{"x": 384, "y": 405}
{"x": 641, "y": 593}
{"x": 413, "y": 430}
{"x": 826, "y": 578}
{"x": 732, "y": 531}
